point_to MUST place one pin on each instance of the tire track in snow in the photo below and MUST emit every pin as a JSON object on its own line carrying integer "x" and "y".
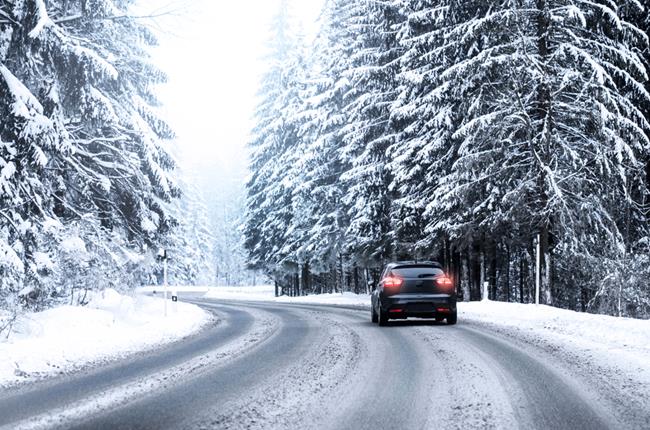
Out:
{"x": 311, "y": 366}
{"x": 500, "y": 385}
{"x": 263, "y": 328}
{"x": 197, "y": 397}
{"x": 467, "y": 393}
{"x": 297, "y": 395}
{"x": 621, "y": 392}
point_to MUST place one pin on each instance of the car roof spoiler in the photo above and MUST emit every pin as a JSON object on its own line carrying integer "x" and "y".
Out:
{"x": 416, "y": 262}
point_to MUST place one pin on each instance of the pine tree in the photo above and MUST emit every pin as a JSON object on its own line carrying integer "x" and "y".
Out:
{"x": 548, "y": 137}
{"x": 191, "y": 248}
{"x": 84, "y": 146}
{"x": 367, "y": 135}
{"x": 269, "y": 203}
{"x": 466, "y": 130}
{"x": 324, "y": 162}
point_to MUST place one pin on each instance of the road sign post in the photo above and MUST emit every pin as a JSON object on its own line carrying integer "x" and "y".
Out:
{"x": 162, "y": 254}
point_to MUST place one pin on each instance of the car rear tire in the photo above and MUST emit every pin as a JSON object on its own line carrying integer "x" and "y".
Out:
{"x": 451, "y": 319}
{"x": 383, "y": 319}
{"x": 373, "y": 314}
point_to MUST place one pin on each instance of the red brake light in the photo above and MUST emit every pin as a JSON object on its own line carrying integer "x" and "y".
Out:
{"x": 392, "y": 281}
{"x": 445, "y": 282}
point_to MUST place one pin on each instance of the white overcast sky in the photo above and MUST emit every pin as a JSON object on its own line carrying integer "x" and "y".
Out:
{"x": 213, "y": 53}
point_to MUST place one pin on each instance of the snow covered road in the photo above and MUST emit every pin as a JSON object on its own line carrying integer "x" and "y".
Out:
{"x": 285, "y": 365}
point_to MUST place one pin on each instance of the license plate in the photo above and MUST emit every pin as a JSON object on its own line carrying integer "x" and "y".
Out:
{"x": 421, "y": 307}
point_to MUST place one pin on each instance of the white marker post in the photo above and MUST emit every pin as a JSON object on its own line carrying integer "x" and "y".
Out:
{"x": 486, "y": 293}
{"x": 538, "y": 269}
{"x": 163, "y": 255}
{"x": 174, "y": 300}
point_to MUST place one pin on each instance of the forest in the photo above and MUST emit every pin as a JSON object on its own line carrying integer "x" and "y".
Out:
{"x": 89, "y": 186}
{"x": 467, "y": 131}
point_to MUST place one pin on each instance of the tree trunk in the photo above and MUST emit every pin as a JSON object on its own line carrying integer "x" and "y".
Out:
{"x": 523, "y": 269}
{"x": 306, "y": 279}
{"x": 465, "y": 278}
{"x": 544, "y": 150}
{"x": 456, "y": 272}
{"x": 341, "y": 278}
{"x": 545, "y": 288}
{"x": 475, "y": 272}
{"x": 492, "y": 275}
{"x": 481, "y": 280}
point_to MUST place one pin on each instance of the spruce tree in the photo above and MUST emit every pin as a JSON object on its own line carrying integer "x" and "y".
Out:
{"x": 368, "y": 134}
{"x": 84, "y": 139}
{"x": 269, "y": 203}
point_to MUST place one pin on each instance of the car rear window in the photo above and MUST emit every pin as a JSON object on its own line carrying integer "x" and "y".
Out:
{"x": 417, "y": 271}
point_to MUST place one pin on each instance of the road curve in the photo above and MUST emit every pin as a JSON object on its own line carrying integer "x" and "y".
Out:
{"x": 268, "y": 365}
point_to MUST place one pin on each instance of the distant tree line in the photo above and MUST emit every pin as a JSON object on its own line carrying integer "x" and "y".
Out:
{"x": 88, "y": 188}
{"x": 460, "y": 130}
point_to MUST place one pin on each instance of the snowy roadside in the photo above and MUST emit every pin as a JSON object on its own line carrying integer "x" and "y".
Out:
{"x": 620, "y": 342}
{"x": 610, "y": 353}
{"x": 266, "y": 293}
{"x": 624, "y": 340}
{"x": 66, "y": 338}
{"x": 616, "y": 349}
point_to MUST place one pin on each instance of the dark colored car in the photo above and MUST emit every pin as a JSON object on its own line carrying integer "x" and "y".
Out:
{"x": 414, "y": 289}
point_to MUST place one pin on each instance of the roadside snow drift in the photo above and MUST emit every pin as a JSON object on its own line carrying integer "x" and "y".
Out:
{"x": 266, "y": 293}
{"x": 65, "y": 338}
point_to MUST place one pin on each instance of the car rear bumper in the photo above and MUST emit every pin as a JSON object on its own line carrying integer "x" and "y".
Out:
{"x": 421, "y": 306}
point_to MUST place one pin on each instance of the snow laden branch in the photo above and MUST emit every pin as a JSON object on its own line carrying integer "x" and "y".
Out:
{"x": 43, "y": 19}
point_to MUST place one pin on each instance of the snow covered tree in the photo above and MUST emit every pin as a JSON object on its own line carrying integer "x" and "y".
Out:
{"x": 82, "y": 144}
{"x": 466, "y": 130}
{"x": 321, "y": 191}
{"x": 367, "y": 135}
{"x": 269, "y": 203}
{"x": 549, "y": 136}
{"x": 191, "y": 248}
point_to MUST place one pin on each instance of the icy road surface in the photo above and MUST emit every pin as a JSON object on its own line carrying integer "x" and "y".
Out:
{"x": 308, "y": 366}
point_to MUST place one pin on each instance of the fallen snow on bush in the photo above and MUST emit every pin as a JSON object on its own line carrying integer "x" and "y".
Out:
{"x": 66, "y": 338}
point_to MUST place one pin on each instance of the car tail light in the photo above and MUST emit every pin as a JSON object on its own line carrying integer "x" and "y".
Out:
{"x": 393, "y": 282}
{"x": 395, "y": 310}
{"x": 445, "y": 282}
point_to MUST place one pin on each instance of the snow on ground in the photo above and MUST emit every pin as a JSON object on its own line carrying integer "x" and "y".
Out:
{"x": 266, "y": 293}
{"x": 65, "y": 338}
{"x": 626, "y": 337}
{"x": 614, "y": 345}
{"x": 624, "y": 341}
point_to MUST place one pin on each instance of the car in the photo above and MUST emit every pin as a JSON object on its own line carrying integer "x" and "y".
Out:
{"x": 414, "y": 289}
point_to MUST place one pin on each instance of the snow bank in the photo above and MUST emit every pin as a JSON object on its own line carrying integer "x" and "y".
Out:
{"x": 623, "y": 343}
{"x": 65, "y": 338}
{"x": 158, "y": 289}
{"x": 267, "y": 292}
